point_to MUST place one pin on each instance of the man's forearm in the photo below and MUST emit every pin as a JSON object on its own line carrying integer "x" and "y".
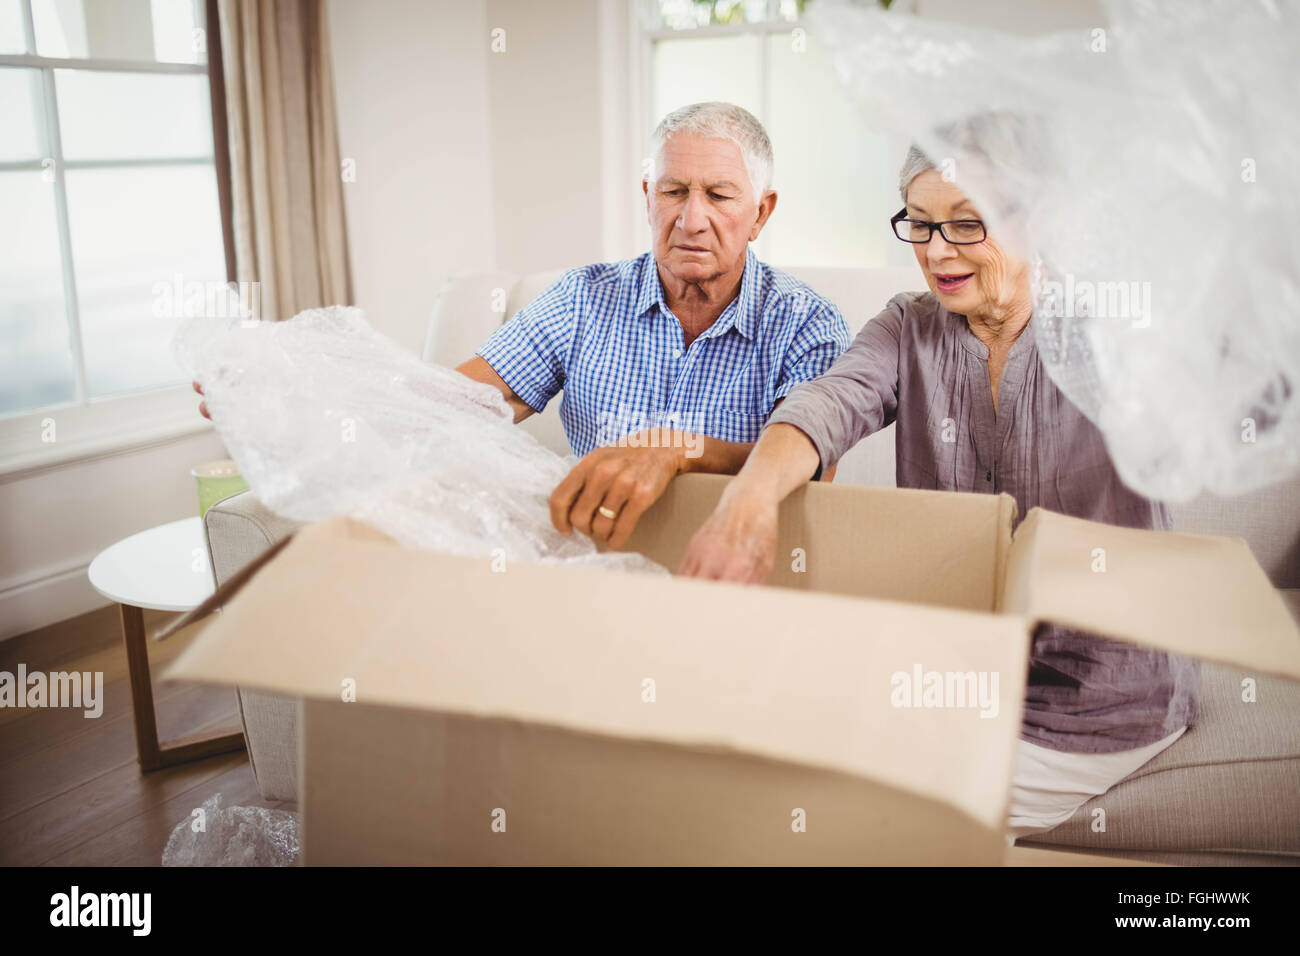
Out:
{"x": 713, "y": 456}
{"x": 479, "y": 370}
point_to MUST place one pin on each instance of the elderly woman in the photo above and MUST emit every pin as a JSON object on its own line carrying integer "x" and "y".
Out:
{"x": 1096, "y": 709}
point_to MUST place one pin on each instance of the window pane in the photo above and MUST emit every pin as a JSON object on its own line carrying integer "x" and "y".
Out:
{"x": 837, "y": 178}
{"x": 166, "y": 31}
{"x": 133, "y": 115}
{"x": 135, "y": 234}
{"x": 695, "y": 69}
{"x": 36, "y": 360}
{"x": 20, "y": 94}
{"x": 11, "y": 27}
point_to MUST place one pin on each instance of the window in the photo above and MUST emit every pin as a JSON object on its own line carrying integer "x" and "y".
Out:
{"x": 835, "y": 177}
{"x": 109, "y": 187}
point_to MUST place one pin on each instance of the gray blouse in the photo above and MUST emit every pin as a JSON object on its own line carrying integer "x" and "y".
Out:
{"x": 920, "y": 366}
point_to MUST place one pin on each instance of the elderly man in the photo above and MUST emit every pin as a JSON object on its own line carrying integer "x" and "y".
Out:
{"x": 672, "y": 361}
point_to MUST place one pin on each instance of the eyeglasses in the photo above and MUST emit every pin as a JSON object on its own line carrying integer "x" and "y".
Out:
{"x": 959, "y": 232}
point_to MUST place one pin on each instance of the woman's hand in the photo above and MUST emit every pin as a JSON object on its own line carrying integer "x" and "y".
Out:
{"x": 737, "y": 542}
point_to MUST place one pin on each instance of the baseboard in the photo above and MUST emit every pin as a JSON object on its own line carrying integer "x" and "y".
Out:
{"x": 47, "y": 596}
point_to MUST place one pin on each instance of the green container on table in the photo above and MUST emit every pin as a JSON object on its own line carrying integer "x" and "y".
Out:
{"x": 217, "y": 479}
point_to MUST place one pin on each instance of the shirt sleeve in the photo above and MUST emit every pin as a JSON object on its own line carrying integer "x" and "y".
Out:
{"x": 531, "y": 351}
{"x": 821, "y": 339}
{"x": 858, "y": 394}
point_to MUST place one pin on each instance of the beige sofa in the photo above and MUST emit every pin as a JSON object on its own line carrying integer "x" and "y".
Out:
{"x": 1227, "y": 792}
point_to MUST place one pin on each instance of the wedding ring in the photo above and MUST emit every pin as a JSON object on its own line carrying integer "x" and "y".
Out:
{"x": 611, "y": 515}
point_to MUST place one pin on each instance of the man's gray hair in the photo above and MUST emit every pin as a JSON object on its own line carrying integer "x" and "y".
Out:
{"x": 721, "y": 121}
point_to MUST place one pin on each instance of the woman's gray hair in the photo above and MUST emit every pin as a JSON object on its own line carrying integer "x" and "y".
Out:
{"x": 721, "y": 121}
{"x": 914, "y": 165}
{"x": 1010, "y": 150}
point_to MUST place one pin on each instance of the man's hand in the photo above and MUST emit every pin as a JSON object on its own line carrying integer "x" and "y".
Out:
{"x": 622, "y": 482}
{"x": 737, "y": 542}
{"x": 203, "y": 406}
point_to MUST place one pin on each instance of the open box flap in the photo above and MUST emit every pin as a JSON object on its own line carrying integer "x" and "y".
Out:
{"x": 235, "y": 583}
{"x": 798, "y": 677}
{"x": 1202, "y": 596}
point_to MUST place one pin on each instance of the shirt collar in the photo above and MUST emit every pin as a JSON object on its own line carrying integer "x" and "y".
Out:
{"x": 652, "y": 291}
{"x": 739, "y": 312}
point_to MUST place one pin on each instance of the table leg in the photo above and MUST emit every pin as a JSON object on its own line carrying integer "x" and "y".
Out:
{"x": 153, "y": 755}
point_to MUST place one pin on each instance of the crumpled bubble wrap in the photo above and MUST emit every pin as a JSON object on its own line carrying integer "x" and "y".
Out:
{"x": 235, "y": 836}
{"x": 325, "y": 416}
{"x": 1148, "y": 170}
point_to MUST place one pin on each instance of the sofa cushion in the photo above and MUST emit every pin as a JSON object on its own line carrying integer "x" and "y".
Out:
{"x": 1231, "y": 784}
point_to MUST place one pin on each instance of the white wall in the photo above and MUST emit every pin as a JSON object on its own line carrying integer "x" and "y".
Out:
{"x": 410, "y": 78}
{"x": 544, "y": 93}
{"x": 469, "y": 159}
{"x": 54, "y": 521}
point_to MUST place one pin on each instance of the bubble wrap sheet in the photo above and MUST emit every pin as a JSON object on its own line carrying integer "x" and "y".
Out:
{"x": 325, "y": 416}
{"x": 234, "y": 836}
{"x": 1147, "y": 169}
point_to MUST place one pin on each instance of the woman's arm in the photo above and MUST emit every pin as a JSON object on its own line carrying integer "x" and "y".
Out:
{"x": 738, "y": 542}
{"x": 816, "y": 424}
{"x": 857, "y": 395}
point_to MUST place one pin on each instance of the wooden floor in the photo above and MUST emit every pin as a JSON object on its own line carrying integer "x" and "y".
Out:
{"x": 71, "y": 791}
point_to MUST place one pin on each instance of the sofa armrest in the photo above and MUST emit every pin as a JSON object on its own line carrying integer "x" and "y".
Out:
{"x": 467, "y": 310}
{"x": 239, "y": 528}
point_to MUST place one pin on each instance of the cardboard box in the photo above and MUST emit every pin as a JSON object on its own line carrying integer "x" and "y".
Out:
{"x": 546, "y": 714}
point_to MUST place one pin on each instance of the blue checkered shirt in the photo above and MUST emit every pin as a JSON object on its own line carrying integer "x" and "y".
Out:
{"x": 605, "y": 335}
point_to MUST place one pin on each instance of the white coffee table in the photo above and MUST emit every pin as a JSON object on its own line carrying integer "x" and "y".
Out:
{"x": 166, "y": 569}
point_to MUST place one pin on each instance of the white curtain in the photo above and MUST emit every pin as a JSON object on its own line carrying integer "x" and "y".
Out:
{"x": 286, "y": 184}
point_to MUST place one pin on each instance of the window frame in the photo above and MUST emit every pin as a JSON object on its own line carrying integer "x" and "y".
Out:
{"x": 642, "y": 11}
{"x": 761, "y": 28}
{"x": 88, "y": 427}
